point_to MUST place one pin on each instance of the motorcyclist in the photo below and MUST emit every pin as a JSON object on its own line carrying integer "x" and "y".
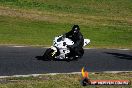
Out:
{"x": 76, "y": 36}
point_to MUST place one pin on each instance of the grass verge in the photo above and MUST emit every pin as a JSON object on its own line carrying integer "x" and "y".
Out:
{"x": 36, "y": 22}
{"x": 88, "y": 7}
{"x": 63, "y": 81}
{"x": 15, "y": 30}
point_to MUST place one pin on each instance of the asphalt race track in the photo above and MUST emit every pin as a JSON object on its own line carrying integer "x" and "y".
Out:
{"x": 22, "y": 61}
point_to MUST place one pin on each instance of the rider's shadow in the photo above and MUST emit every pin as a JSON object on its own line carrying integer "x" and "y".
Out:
{"x": 41, "y": 58}
{"x": 44, "y": 59}
{"x": 120, "y": 56}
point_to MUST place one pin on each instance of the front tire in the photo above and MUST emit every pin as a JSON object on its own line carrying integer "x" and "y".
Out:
{"x": 48, "y": 55}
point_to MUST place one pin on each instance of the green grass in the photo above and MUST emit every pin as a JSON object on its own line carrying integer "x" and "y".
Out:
{"x": 63, "y": 81}
{"x": 91, "y": 7}
{"x": 23, "y": 31}
{"x": 107, "y": 23}
{"x": 19, "y": 31}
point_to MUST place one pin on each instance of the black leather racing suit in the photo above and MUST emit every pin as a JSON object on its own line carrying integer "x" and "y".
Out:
{"x": 78, "y": 40}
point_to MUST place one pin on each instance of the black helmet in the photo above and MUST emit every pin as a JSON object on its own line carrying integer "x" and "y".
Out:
{"x": 75, "y": 29}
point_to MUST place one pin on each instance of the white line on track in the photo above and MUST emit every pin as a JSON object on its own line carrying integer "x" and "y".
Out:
{"x": 108, "y": 48}
{"x": 123, "y": 49}
{"x": 19, "y": 46}
{"x": 35, "y": 75}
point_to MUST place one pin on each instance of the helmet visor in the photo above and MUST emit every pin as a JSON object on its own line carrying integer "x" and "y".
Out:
{"x": 76, "y": 30}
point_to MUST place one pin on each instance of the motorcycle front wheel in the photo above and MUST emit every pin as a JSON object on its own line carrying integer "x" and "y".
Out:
{"x": 49, "y": 54}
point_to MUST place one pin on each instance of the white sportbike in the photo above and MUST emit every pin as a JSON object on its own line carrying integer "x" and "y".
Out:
{"x": 59, "y": 49}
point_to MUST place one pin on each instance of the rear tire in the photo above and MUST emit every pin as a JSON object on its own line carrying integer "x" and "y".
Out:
{"x": 48, "y": 54}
